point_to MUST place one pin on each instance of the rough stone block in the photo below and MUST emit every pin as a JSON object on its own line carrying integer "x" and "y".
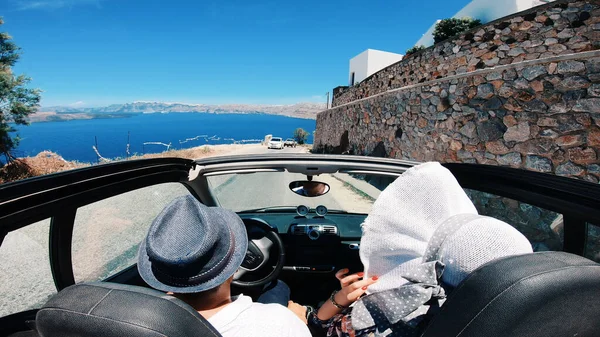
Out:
{"x": 573, "y": 83}
{"x": 583, "y": 119}
{"x": 548, "y": 133}
{"x": 587, "y": 105}
{"x": 509, "y": 74}
{"x": 557, "y": 49}
{"x": 518, "y": 133}
{"x": 590, "y": 178}
{"x": 594, "y": 90}
{"x": 490, "y": 130}
{"x": 537, "y": 86}
{"x": 581, "y": 156}
{"x": 510, "y": 159}
{"x": 537, "y": 163}
{"x": 569, "y": 169}
{"x": 566, "y": 33}
{"x": 566, "y": 67}
{"x": 506, "y": 91}
{"x": 469, "y": 130}
{"x": 462, "y": 154}
{"x": 455, "y": 145}
{"x": 521, "y": 83}
{"x": 535, "y": 105}
{"x": 595, "y": 78}
{"x": 524, "y": 95}
{"x": 512, "y": 104}
{"x": 496, "y": 147}
{"x": 532, "y": 72}
{"x": 516, "y": 52}
{"x": 509, "y": 120}
{"x": 593, "y": 65}
{"x": 485, "y": 90}
{"x": 569, "y": 140}
{"x": 593, "y": 138}
{"x": 570, "y": 126}
{"x": 493, "y": 76}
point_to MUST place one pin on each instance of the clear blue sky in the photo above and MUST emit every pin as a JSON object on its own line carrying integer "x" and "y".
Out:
{"x": 98, "y": 52}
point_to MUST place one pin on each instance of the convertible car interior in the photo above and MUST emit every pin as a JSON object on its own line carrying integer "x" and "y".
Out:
{"x": 69, "y": 243}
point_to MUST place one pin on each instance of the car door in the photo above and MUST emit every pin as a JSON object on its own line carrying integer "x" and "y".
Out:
{"x": 78, "y": 226}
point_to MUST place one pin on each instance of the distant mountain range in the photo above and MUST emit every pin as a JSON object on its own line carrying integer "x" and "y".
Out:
{"x": 300, "y": 110}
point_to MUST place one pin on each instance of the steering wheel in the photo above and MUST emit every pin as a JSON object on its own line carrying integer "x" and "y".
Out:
{"x": 263, "y": 242}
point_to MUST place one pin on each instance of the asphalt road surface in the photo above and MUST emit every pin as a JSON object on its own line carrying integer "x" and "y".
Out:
{"x": 262, "y": 189}
{"x": 262, "y": 149}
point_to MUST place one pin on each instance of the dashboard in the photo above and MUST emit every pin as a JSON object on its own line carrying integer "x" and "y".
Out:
{"x": 315, "y": 241}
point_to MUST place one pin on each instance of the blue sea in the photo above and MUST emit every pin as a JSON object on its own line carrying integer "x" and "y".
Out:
{"x": 73, "y": 140}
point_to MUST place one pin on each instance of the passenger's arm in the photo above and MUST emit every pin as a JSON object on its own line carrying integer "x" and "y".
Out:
{"x": 353, "y": 287}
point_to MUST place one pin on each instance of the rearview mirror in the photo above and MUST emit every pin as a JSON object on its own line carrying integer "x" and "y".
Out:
{"x": 307, "y": 188}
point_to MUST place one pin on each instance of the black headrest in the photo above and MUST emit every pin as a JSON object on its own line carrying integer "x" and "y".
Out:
{"x": 540, "y": 294}
{"x": 108, "y": 309}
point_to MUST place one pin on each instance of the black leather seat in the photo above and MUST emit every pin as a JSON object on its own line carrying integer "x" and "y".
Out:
{"x": 541, "y": 294}
{"x": 108, "y": 309}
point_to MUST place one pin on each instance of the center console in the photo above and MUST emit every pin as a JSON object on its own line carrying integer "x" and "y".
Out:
{"x": 312, "y": 245}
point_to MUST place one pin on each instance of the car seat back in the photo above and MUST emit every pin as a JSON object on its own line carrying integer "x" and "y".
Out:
{"x": 541, "y": 294}
{"x": 111, "y": 310}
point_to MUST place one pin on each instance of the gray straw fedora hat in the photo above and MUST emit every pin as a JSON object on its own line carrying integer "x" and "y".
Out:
{"x": 191, "y": 248}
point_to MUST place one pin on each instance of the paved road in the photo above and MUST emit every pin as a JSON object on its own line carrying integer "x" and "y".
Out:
{"x": 271, "y": 188}
{"x": 262, "y": 149}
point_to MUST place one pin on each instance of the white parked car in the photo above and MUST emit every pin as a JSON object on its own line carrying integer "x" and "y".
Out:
{"x": 276, "y": 143}
{"x": 290, "y": 142}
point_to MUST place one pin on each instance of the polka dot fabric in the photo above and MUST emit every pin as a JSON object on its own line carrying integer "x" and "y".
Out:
{"x": 447, "y": 228}
{"x": 404, "y": 218}
{"x": 404, "y": 306}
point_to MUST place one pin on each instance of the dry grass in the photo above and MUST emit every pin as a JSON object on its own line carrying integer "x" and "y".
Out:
{"x": 47, "y": 162}
{"x": 191, "y": 153}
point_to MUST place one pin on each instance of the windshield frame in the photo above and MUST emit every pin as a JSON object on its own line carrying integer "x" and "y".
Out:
{"x": 312, "y": 165}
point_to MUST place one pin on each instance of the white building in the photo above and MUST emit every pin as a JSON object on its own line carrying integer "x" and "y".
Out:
{"x": 369, "y": 62}
{"x": 486, "y": 11}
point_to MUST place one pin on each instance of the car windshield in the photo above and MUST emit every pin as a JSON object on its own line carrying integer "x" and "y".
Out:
{"x": 276, "y": 139}
{"x": 270, "y": 191}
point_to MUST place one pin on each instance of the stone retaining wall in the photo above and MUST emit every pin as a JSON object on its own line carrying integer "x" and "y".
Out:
{"x": 558, "y": 28}
{"x": 541, "y": 115}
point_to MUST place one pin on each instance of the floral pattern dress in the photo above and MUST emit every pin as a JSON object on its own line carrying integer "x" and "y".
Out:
{"x": 400, "y": 312}
{"x": 339, "y": 325}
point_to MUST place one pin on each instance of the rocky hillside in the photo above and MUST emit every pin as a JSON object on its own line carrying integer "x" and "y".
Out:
{"x": 300, "y": 110}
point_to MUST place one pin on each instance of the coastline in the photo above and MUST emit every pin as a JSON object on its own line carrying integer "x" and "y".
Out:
{"x": 47, "y": 162}
{"x": 52, "y": 116}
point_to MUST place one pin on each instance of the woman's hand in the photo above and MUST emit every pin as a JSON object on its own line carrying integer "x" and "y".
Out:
{"x": 298, "y": 310}
{"x": 353, "y": 286}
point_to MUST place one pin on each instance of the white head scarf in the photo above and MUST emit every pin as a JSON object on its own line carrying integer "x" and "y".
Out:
{"x": 420, "y": 220}
{"x": 403, "y": 220}
{"x": 476, "y": 242}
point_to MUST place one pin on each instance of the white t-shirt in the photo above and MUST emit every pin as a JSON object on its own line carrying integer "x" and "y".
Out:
{"x": 244, "y": 318}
